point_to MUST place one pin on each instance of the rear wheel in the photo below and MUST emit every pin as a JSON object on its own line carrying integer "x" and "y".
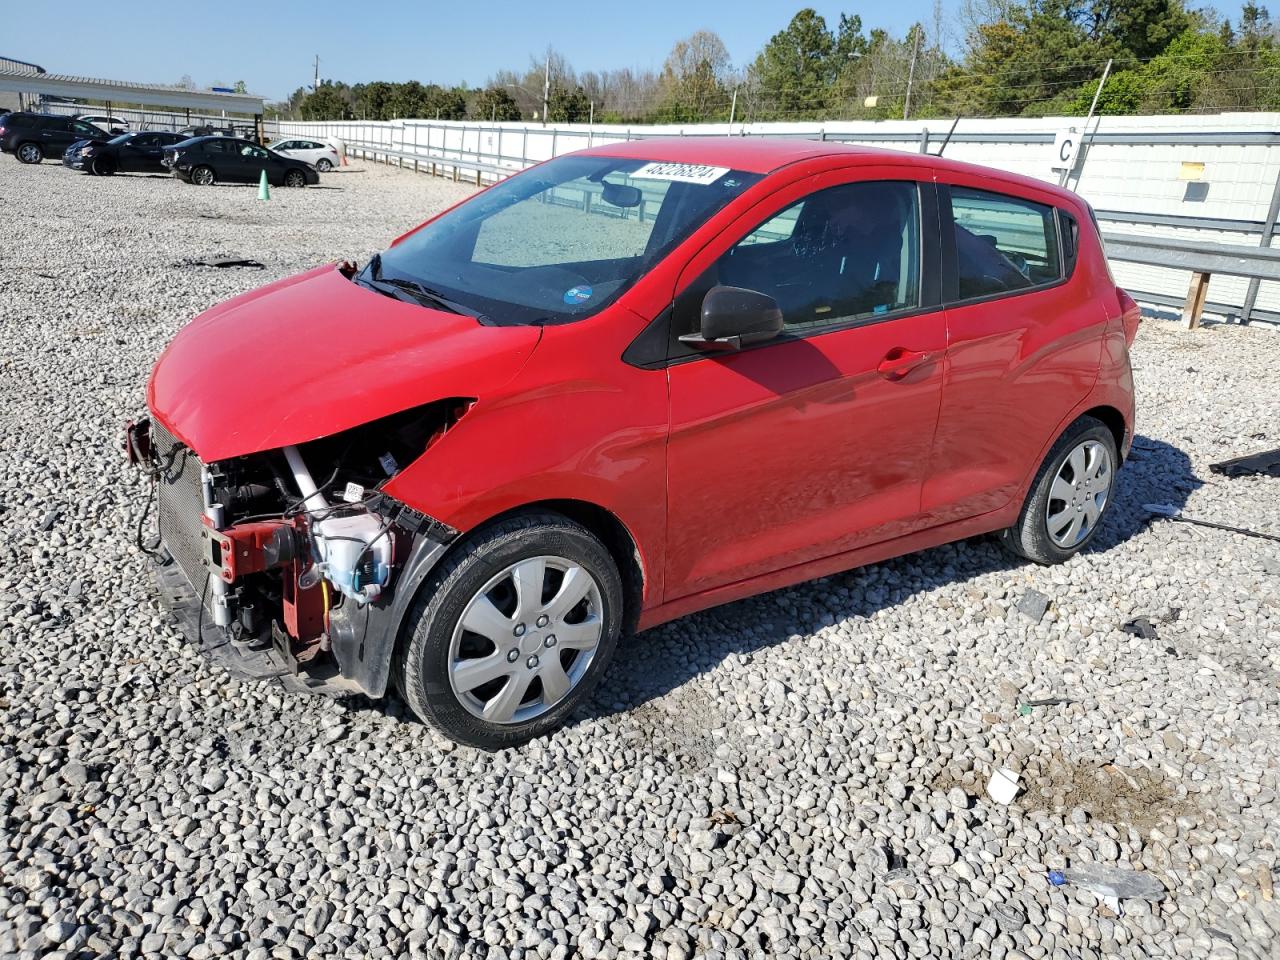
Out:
{"x": 203, "y": 176}
{"x": 103, "y": 166}
{"x": 1069, "y": 497}
{"x": 295, "y": 178}
{"x": 29, "y": 153}
{"x": 324, "y": 164}
{"x": 513, "y": 632}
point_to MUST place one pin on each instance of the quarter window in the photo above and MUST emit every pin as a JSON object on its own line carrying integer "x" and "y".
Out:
{"x": 1003, "y": 243}
{"x": 845, "y": 253}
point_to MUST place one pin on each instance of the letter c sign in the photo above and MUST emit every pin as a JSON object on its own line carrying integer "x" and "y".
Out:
{"x": 1066, "y": 144}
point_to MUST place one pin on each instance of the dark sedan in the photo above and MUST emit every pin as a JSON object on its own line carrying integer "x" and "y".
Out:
{"x": 208, "y": 160}
{"x": 128, "y": 153}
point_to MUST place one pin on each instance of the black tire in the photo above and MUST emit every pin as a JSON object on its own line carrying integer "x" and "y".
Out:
{"x": 324, "y": 165}
{"x": 29, "y": 153}
{"x": 102, "y": 167}
{"x": 423, "y": 673}
{"x": 1031, "y": 537}
{"x": 295, "y": 178}
{"x": 202, "y": 176}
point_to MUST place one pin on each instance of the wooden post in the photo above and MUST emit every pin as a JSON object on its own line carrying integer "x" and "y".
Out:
{"x": 1196, "y": 294}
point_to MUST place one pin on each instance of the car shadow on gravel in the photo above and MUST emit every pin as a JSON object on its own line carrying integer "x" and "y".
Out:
{"x": 652, "y": 664}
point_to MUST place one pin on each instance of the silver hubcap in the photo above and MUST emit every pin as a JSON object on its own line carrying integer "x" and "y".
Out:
{"x": 1079, "y": 494}
{"x": 204, "y": 177}
{"x": 29, "y": 152}
{"x": 525, "y": 640}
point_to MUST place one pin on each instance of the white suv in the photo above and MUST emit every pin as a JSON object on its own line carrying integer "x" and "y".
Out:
{"x": 322, "y": 156}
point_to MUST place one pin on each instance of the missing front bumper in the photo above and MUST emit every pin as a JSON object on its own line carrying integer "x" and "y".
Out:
{"x": 246, "y": 661}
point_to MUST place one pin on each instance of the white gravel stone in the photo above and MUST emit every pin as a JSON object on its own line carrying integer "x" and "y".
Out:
{"x": 799, "y": 775}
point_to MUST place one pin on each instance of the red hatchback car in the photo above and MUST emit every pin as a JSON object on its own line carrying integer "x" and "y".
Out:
{"x": 625, "y": 385}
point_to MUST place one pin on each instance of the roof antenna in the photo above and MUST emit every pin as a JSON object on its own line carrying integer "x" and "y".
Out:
{"x": 954, "y": 124}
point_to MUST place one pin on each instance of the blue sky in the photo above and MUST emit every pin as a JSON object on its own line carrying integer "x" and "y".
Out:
{"x": 271, "y": 45}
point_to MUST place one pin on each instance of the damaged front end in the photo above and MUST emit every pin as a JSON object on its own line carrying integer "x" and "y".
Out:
{"x": 293, "y": 563}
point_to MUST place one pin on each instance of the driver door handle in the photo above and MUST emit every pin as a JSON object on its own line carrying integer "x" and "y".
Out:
{"x": 899, "y": 361}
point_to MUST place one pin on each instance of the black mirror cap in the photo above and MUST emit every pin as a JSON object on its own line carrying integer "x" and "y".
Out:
{"x": 737, "y": 313}
{"x": 620, "y": 195}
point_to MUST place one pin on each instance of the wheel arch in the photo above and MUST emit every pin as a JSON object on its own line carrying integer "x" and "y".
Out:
{"x": 368, "y": 650}
{"x": 601, "y": 522}
{"x": 1113, "y": 420}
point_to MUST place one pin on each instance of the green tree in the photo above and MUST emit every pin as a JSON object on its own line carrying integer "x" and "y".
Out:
{"x": 793, "y": 73}
{"x": 568, "y": 106}
{"x": 494, "y": 103}
{"x": 329, "y": 102}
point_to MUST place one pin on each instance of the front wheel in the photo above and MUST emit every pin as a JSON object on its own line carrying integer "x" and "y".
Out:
{"x": 30, "y": 153}
{"x": 202, "y": 176}
{"x": 1069, "y": 497}
{"x": 324, "y": 164}
{"x": 102, "y": 167}
{"x": 513, "y": 631}
{"x": 295, "y": 178}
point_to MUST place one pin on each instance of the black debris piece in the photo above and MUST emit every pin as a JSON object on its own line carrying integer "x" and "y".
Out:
{"x": 1266, "y": 464}
{"x": 1141, "y": 627}
{"x": 228, "y": 262}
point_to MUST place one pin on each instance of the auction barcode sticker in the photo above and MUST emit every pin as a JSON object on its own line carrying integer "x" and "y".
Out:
{"x": 679, "y": 172}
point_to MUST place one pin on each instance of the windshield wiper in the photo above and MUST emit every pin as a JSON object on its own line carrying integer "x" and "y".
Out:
{"x": 419, "y": 292}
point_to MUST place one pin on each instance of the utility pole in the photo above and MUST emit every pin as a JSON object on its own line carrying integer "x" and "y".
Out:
{"x": 1066, "y": 174}
{"x": 733, "y": 110}
{"x": 911, "y": 73}
{"x": 546, "y": 88}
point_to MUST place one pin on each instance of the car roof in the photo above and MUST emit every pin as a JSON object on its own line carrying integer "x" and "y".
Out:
{"x": 768, "y": 154}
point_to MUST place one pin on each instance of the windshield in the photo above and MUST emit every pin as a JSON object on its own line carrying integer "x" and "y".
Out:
{"x": 123, "y": 138}
{"x": 562, "y": 241}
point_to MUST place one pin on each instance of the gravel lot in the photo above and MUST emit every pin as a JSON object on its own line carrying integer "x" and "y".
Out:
{"x": 798, "y": 775}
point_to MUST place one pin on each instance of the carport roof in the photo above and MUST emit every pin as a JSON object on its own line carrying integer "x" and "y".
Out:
{"x": 152, "y": 95}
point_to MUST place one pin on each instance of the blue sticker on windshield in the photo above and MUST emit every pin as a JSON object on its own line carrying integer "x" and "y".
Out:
{"x": 576, "y": 295}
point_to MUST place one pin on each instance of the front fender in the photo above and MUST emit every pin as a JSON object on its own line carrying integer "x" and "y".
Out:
{"x": 554, "y": 435}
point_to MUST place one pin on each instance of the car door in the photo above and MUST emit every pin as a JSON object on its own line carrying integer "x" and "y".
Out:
{"x": 66, "y": 132}
{"x": 253, "y": 160}
{"x": 817, "y": 442}
{"x": 145, "y": 152}
{"x": 131, "y": 155}
{"x": 1025, "y": 343}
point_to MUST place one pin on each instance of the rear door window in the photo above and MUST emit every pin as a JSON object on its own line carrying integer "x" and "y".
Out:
{"x": 1004, "y": 244}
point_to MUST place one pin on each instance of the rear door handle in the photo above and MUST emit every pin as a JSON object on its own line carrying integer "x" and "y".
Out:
{"x": 899, "y": 361}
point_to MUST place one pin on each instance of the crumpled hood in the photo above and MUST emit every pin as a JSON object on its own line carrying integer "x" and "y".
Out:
{"x": 315, "y": 354}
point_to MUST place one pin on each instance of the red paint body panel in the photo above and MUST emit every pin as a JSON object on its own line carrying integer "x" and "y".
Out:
{"x": 576, "y": 424}
{"x": 733, "y": 474}
{"x": 800, "y": 449}
{"x": 313, "y": 355}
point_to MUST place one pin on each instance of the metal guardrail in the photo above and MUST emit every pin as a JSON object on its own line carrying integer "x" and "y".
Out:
{"x": 1209, "y": 258}
{"x": 1202, "y": 259}
{"x": 438, "y": 164}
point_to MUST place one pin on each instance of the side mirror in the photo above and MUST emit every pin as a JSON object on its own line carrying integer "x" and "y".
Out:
{"x": 733, "y": 318}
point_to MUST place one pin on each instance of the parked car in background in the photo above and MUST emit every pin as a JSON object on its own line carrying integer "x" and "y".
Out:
{"x": 528, "y": 427}
{"x": 127, "y": 153}
{"x": 207, "y": 160}
{"x": 31, "y": 137}
{"x": 324, "y": 157}
{"x": 107, "y": 124}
